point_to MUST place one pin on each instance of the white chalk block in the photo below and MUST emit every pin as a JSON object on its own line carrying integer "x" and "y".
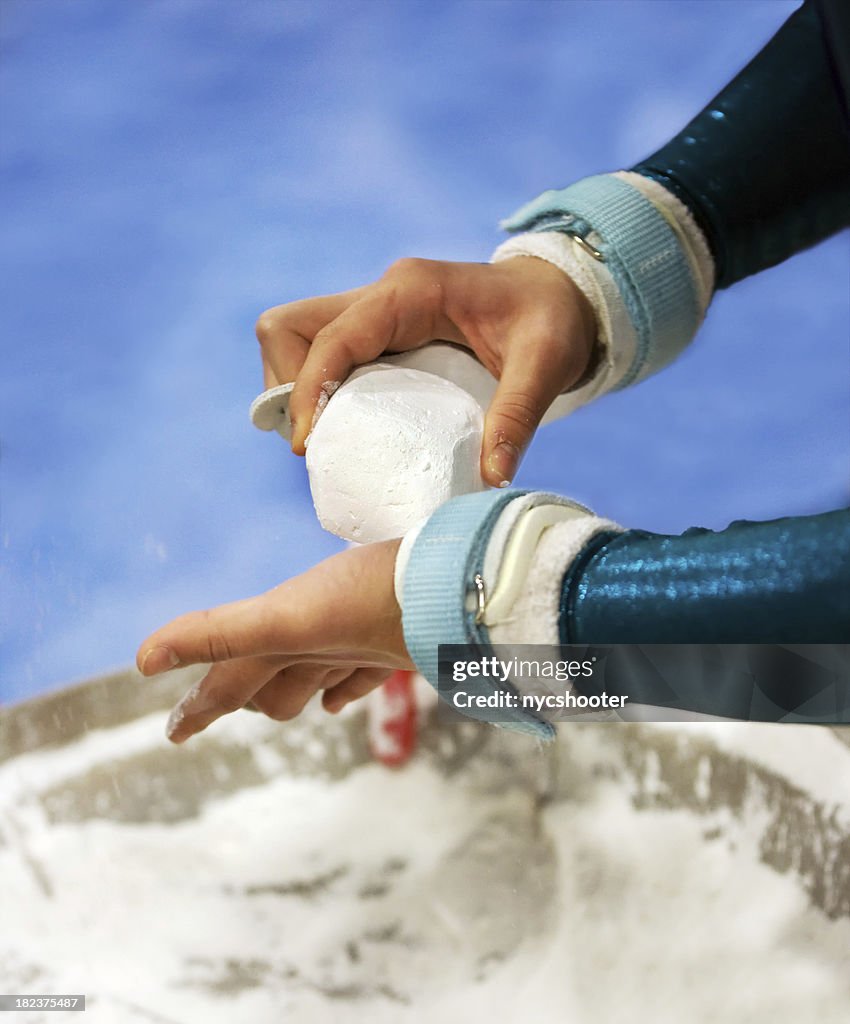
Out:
{"x": 391, "y": 446}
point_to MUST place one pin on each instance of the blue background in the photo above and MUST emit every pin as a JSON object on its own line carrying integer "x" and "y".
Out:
{"x": 169, "y": 169}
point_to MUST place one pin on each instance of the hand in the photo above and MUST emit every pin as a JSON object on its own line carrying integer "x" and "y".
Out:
{"x": 335, "y": 628}
{"x": 523, "y": 318}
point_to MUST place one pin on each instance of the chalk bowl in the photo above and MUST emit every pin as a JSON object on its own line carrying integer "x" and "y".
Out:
{"x": 269, "y": 872}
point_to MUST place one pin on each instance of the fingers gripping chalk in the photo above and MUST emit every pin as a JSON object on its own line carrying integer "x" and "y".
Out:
{"x": 395, "y": 441}
{"x": 270, "y": 410}
{"x": 390, "y": 445}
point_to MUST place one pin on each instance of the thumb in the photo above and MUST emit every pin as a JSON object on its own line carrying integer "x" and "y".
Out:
{"x": 255, "y": 626}
{"x": 528, "y": 385}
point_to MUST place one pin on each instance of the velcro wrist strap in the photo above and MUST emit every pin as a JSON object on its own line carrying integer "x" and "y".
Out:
{"x": 642, "y": 253}
{"x": 447, "y": 555}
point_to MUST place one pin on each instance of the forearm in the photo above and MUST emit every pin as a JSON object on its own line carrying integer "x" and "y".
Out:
{"x": 765, "y": 167}
{"x": 588, "y": 582}
{"x": 761, "y": 173}
{"x": 784, "y": 581}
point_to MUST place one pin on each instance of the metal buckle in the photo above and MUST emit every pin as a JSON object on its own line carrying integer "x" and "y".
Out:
{"x": 481, "y": 598}
{"x": 585, "y": 246}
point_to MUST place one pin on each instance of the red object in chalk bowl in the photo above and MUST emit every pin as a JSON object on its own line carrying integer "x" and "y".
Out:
{"x": 392, "y": 720}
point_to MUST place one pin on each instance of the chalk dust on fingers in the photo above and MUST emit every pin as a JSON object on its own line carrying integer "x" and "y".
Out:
{"x": 328, "y": 389}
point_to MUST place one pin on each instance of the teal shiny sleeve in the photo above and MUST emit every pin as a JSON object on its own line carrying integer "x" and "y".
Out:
{"x": 765, "y": 167}
{"x": 783, "y": 581}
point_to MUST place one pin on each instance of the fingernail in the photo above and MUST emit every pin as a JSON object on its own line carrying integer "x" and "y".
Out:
{"x": 159, "y": 659}
{"x": 300, "y": 438}
{"x": 294, "y": 443}
{"x": 503, "y": 461}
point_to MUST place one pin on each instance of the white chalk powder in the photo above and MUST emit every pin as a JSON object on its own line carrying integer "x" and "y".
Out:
{"x": 328, "y": 388}
{"x": 406, "y": 897}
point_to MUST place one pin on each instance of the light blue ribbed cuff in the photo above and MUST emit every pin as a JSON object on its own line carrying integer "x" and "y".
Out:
{"x": 447, "y": 554}
{"x": 641, "y": 251}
